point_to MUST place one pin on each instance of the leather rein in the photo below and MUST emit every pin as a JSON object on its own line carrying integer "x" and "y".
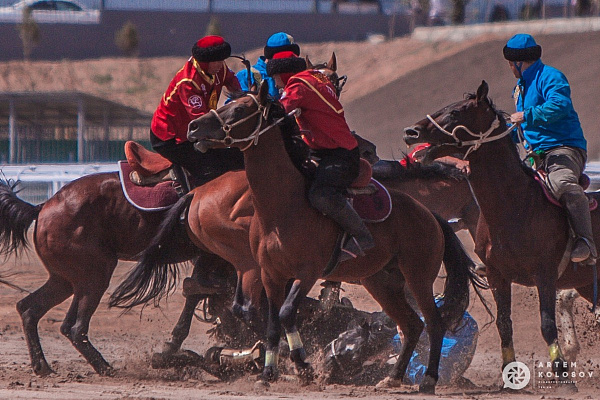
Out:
{"x": 480, "y": 138}
{"x": 262, "y": 112}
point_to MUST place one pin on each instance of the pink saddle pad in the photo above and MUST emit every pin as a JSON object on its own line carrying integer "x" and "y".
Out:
{"x": 374, "y": 207}
{"x": 148, "y": 198}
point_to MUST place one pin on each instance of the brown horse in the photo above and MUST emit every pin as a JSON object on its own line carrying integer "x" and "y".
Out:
{"x": 522, "y": 237}
{"x": 80, "y": 234}
{"x": 443, "y": 189}
{"x": 291, "y": 240}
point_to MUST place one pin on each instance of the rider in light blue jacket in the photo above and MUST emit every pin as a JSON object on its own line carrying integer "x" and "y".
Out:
{"x": 276, "y": 43}
{"x": 552, "y": 130}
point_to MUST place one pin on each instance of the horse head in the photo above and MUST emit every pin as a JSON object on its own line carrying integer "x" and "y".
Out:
{"x": 329, "y": 69}
{"x": 459, "y": 128}
{"x": 236, "y": 124}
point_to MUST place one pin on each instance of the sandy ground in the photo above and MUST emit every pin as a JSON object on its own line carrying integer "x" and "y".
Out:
{"x": 127, "y": 342}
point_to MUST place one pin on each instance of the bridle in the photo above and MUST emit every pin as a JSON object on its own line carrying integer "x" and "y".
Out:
{"x": 337, "y": 81}
{"x": 480, "y": 138}
{"x": 263, "y": 114}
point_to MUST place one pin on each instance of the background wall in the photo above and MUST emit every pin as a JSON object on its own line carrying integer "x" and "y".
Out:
{"x": 173, "y": 33}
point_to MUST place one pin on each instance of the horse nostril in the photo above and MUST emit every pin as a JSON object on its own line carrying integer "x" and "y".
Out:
{"x": 410, "y": 131}
{"x": 193, "y": 127}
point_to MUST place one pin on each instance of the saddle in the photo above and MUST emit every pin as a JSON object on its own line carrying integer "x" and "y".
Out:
{"x": 147, "y": 179}
{"x": 584, "y": 181}
{"x": 148, "y": 168}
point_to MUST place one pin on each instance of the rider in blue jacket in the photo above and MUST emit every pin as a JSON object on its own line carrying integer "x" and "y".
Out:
{"x": 552, "y": 130}
{"x": 276, "y": 43}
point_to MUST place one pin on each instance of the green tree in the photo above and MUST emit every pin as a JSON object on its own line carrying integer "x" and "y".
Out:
{"x": 213, "y": 27}
{"x": 29, "y": 32}
{"x": 127, "y": 39}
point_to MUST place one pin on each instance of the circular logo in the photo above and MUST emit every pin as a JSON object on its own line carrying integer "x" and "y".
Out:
{"x": 195, "y": 101}
{"x": 516, "y": 375}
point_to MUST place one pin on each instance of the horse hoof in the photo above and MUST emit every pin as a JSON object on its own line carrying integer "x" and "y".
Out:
{"x": 306, "y": 375}
{"x": 427, "y": 386}
{"x": 170, "y": 348}
{"x": 107, "y": 371}
{"x": 389, "y": 383}
{"x": 269, "y": 374}
{"x": 42, "y": 369}
{"x": 262, "y": 384}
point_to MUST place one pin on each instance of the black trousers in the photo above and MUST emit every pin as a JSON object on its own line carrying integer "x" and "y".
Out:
{"x": 337, "y": 169}
{"x": 202, "y": 166}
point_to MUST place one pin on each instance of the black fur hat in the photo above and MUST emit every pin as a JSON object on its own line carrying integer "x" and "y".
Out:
{"x": 211, "y": 48}
{"x": 285, "y": 62}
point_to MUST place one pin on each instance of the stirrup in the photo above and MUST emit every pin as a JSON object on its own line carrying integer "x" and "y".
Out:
{"x": 588, "y": 259}
{"x": 351, "y": 249}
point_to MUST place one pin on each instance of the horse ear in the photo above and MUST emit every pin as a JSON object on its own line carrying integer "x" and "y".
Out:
{"x": 263, "y": 92}
{"x": 482, "y": 92}
{"x": 309, "y": 65}
{"x": 332, "y": 64}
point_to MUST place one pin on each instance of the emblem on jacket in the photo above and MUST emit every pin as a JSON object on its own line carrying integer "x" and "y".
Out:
{"x": 195, "y": 101}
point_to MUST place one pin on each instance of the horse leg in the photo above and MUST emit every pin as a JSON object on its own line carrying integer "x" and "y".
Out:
{"x": 547, "y": 293}
{"x": 288, "y": 315}
{"x": 252, "y": 290}
{"x": 387, "y": 288}
{"x": 501, "y": 291}
{"x": 237, "y": 308}
{"x": 181, "y": 330}
{"x": 275, "y": 290}
{"x": 32, "y": 308}
{"x": 85, "y": 303}
{"x": 564, "y": 306}
{"x": 422, "y": 291}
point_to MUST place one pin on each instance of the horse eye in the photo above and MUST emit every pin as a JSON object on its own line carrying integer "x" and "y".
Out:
{"x": 238, "y": 111}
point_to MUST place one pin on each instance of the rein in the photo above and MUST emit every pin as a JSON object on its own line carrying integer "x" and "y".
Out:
{"x": 481, "y": 138}
{"x": 263, "y": 113}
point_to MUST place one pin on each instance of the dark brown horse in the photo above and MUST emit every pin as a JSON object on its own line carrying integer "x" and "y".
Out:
{"x": 522, "y": 237}
{"x": 443, "y": 189}
{"x": 80, "y": 234}
{"x": 291, "y": 240}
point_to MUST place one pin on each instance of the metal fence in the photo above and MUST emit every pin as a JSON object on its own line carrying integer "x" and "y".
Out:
{"x": 40, "y": 182}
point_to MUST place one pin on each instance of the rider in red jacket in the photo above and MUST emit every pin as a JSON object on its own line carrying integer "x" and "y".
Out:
{"x": 195, "y": 90}
{"x": 325, "y": 131}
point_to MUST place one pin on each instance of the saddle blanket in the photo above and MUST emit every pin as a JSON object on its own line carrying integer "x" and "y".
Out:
{"x": 374, "y": 207}
{"x": 147, "y": 198}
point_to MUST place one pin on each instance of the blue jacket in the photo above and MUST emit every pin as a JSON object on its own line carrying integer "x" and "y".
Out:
{"x": 544, "y": 94}
{"x": 259, "y": 71}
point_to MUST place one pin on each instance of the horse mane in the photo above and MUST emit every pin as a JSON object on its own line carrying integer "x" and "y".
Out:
{"x": 386, "y": 169}
{"x": 503, "y": 115}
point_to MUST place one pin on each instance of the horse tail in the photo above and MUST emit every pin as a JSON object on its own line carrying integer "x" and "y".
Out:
{"x": 460, "y": 271}
{"x": 16, "y": 216}
{"x": 155, "y": 275}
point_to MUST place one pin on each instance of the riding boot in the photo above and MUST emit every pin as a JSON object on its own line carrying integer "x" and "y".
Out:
{"x": 577, "y": 205}
{"x": 361, "y": 239}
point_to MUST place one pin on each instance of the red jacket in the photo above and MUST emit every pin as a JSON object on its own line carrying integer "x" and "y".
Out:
{"x": 190, "y": 94}
{"x": 322, "y": 120}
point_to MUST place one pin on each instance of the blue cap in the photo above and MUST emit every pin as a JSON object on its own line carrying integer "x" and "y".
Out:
{"x": 522, "y": 47}
{"x": 279, "y": 42}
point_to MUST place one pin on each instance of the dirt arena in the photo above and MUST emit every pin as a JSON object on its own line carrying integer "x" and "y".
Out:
{"x": 128, "y": 341}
